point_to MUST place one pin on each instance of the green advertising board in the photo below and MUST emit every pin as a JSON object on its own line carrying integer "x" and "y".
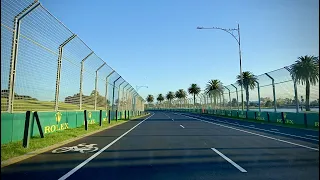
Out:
{"x": 313, "y": 119}
{"x": 251, "y": 114}
{"x": 262, "y": 116}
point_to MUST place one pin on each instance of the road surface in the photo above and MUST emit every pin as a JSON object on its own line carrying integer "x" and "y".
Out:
{"x": 168, "y": 145}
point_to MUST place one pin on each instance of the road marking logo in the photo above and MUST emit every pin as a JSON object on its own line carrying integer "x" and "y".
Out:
{"x": 82, "y": 148}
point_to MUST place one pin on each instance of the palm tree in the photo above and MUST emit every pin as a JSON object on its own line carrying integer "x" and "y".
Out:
{"x": 214, "y": 88}
{"x": 306, "y": 71}
{"x": 194, "y": 89}
{"x": 249, "y": 81}
{"x": 180, "y": 94}
{"x": 170, "y": 96}
{"x": 160, "y": 98}
{"x": 149, "y": 99}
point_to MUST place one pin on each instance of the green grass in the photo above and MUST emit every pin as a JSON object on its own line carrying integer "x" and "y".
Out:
{"x": 15, "y": 149}
{"x": 32, "y": 105}
{"x": 266, "y": 122}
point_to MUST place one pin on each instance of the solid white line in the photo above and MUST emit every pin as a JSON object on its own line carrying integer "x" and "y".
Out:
{"x": 181, "y": 126}
{"x": 274, "y": 129}
{"x": 268, "y": 137}
{"x": 312, "y": 136}
{"x": 229, "y": 160}
{"x": 264, "y": 130}
{"x": 99, "y": 152}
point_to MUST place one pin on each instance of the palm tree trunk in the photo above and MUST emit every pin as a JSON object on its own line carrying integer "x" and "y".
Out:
{"x": 215, "y": 102}
{"x": 194, "y": 99}
{"x": 247, "y": 98}
{"x": 307, "y": 95}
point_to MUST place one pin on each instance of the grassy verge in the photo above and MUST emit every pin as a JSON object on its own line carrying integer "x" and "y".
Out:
{"x": 265, "y": 122}
{"x": 15, "y": 149}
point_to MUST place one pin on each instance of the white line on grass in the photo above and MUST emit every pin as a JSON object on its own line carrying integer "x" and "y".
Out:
{"x": 181, "y": 126}
{"x": 263, "y": 129}
{"x": 230, "y": 161}
{"x": 99, "y": 152}
{"x": 268, "y": 137}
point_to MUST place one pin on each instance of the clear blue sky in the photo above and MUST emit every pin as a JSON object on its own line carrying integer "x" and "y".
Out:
{"x": 156, "y": 43}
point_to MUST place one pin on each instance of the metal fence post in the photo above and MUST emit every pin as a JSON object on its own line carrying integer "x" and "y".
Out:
{"x": 59, "y": 70}
{"x": 259, "y": 96}
{"x": 229, "y": 96}
{"x": 295, "y": 90}
{"x": 114, "y": 85}
{"x": 106, "y": 94}
{"x": 14, "y": 51}
{"x": 119, "y": 95}
{"x": 96, "y": 87}
{"x": 237, "y": 95}
{"x": 81, "y": 79}
{"x": 274, "y": 93}
{"x": 124, "y": 101}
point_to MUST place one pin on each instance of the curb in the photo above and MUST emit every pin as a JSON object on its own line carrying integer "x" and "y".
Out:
{"x": 39, "y": 151}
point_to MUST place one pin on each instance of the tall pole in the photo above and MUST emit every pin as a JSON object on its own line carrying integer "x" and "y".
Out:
{"x": 81, "y": 79}
{"x": 96, "y": 87}
{"x": 230, "y": 31}
{"x": 59, "y": 71}
{"x": 114, "y": 86}
{"x": 240, "y": 69}
{"x": 119, "y": 95}
{"x": 14, "y": 51}
{"x": 106, "y": 93}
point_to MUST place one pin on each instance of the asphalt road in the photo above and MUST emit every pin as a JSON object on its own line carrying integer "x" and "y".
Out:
{"x": 181, "y": 146}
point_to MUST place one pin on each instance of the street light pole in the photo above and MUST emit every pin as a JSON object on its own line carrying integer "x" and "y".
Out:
{"x": 230, "y": 31}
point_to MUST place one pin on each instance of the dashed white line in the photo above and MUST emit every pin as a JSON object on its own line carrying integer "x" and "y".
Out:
{"x": 268, "y": 137}
{"x": 312, "y": 136}
{"x": 99, "y": 152}
{"x": 181, "y": 126}
{"x": 229, "y": 160}
{"x": 251, "y": 125}
{"x": 274, "y": 129}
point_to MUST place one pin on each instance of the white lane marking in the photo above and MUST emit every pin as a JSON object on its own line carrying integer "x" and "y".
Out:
{"x": 266, "y": 130}
{"x": 251, "y": 125}
{"x": 274, "y": 129}
{"x": 181, "y": 126}
{"x": 230, "y": 161}
{"x": 99, "y": 152}
{"x": 166, "y": 115}
{"x": 268, "y": 137}
{"x": 312, "y": 136}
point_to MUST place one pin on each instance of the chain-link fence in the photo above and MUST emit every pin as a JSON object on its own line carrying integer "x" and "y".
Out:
{"x": 273, "y": 92}
{"x": 46, "y": 67}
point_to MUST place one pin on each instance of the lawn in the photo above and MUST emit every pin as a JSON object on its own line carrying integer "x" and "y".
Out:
{"x": 32, "y": 105}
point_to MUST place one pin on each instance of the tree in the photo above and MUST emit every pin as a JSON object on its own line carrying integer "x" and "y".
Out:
{"x": 268, "y": 103}
{"x": 180, "y": 94}
{"x": 194, "y": 89}
{"x": 214, "y": 88}
{"x": 170, "y": 96}
{"x": 305, "y": 70}
{"x": 234, "y": 102}
{"x": 160, "y": 98}
{"x": 249, "y": 81}
{"x": 150, "y": 99}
